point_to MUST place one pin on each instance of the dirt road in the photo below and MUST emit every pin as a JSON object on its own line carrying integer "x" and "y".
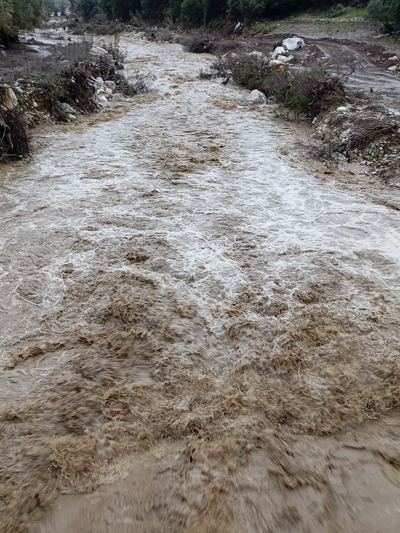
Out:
{"x": 205, "y": 333}
{"x": 365, "y": 75}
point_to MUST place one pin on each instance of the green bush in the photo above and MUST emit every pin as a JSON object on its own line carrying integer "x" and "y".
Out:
{"x": 385, "y": 12}
{"x": 336, "y": 11}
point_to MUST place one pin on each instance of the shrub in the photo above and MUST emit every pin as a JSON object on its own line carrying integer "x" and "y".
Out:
{"x": 305, "y": 94}
{"x": 313, "y": 91}
{"x": 385, "y": 12}
{"x": 336, "y": 11}
{"x": 247, "y": 70}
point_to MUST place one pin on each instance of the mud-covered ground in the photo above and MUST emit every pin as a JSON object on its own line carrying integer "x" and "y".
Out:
{"x": 196, "y": 336}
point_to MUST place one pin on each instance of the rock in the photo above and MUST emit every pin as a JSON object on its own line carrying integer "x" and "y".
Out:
{"x": 98, "y": 51}
{"x": 108, "y": 91}
{"x": 7, "y": 97}
{"x": 341, "y": 109}
{"x": 256, "y": 97}
{"x": 279, "y": 50}
{"x": 394, "y": 68}
{"x": 276, "y": 63}
{"x": 65, "y": 112}
{"x": 102, "y": 99}
{"x": 394, "y": 58}
{"x": 283, "y": 59}
{"x": 99, "y": 82}
{"x": 232, "y": 55}
{"x": 209, "y": 74}
{"x": 293, "y": 43}
{"x": 111, "y": 85}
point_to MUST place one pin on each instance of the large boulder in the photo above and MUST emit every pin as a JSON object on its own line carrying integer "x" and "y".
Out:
{"x": 293, "y": 43}
{"x": 256, "y": 97}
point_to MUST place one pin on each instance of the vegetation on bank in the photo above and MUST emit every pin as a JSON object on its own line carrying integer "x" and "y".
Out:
{"x": 303, "y": 94}
{"x": 219, "y": 13}
{"x": 18, "y": 15}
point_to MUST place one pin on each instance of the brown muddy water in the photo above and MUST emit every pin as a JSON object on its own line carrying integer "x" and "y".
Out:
{"x": 196, "y": 337}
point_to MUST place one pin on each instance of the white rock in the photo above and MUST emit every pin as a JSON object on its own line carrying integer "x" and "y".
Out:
{"x": 279, "y": 50}
{"x": 283, "y": 59}
{"x": 341, "y": 109}
{"x": 394, "y": 68}
{"x": 256, "y": 97}
{"x": 276, "y": 63}
{"x": 111, "y": 85}
{"x": 293, "y": 43}
{"x": 98, "y": 51}
{"x": 394, "y": 58}
{"x": 108, "y": 91}
{"x": 99, "y": 82}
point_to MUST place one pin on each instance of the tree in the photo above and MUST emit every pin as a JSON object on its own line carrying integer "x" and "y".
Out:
{"x": 86, "y": 8}
{"x": 18, "y": 15}
{"x": 195, "y": 11}
{"x": 6, "y": 12}
{"x": 62, "y": 7}
{"x": 386, "y": 12}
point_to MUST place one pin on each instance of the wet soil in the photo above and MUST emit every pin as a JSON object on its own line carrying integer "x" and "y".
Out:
{"x": 196, "y": 336}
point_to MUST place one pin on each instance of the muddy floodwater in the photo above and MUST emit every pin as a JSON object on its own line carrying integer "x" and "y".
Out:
{"x": 196, "y": 337}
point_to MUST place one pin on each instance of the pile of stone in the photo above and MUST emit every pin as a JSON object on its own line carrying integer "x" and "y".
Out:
{"x": 104, "y": 90}
{"x": 282, "y": 55}
{"x": 396, "y": 64}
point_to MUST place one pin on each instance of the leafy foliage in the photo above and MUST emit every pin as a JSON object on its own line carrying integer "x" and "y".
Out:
{"x": 385, "y": 12}
{"x": 26, "y": 14}
{"x": 18, "y": 15}
{"x": 196, "y": 12}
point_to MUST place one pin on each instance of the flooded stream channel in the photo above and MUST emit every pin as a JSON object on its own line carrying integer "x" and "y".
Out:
{"x": 188, "y": 322}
